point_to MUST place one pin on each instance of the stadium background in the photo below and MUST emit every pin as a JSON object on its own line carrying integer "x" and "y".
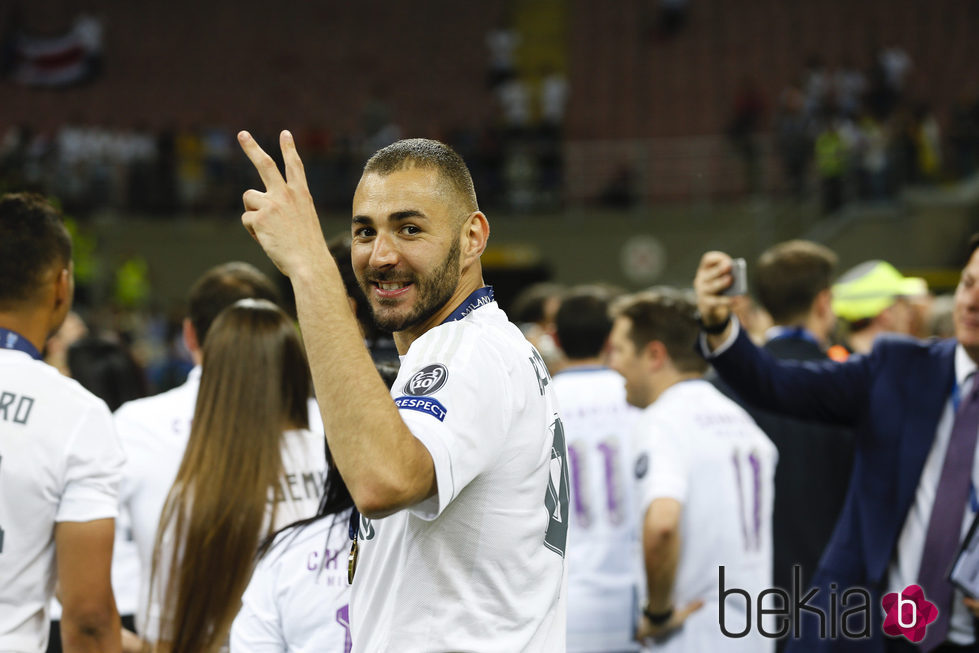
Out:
{"x": 612, "y": 141}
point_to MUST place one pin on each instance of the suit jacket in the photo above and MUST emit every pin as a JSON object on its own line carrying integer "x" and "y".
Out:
{"x": 811, "y": 478}
{"x": 893, "y": 398}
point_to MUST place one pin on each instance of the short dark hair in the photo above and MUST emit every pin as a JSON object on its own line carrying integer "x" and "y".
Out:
{"x": 33, "y": 240}
{"x": 107, "y": 369}
{"x": 667, "y": 315}
{"x": 222, "y": 286}
{"x": 426, "y": 153}
{"x": 790, "y": 275}
{"x": 583, "y": 322}
{"x": 972, "y": 247}
{"x": 530, "y": 304}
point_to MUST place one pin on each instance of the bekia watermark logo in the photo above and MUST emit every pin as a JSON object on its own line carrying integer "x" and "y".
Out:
{"x": 908, "y": 613}
{"x": 843, "y": 614}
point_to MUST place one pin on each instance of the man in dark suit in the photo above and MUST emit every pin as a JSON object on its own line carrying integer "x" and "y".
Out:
{"x": 915, "y": 413}
{"x": 792, "y": 282}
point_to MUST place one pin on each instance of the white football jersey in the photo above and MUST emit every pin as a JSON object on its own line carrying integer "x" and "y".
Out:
{"x": 604, "y": 570}
{"x": 154, "y": 433}
{"x": 60, "y": 461}
{"x": 479, "y": 566}
{"x": 695, "y": 445}
{"x": 297, "y": 600}
{"x": 297, "y": 497}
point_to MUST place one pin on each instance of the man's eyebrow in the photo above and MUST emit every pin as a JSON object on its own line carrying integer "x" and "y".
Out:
{"x": 397, "y": 216}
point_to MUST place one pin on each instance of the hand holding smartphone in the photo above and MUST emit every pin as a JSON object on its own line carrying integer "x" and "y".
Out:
{"x": 739, "y": 273}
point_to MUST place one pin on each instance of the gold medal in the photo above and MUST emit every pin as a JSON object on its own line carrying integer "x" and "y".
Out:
{"x": 352, "y": 562}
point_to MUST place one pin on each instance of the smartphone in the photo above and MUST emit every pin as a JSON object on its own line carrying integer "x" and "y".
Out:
{"x": 739, "y": 272}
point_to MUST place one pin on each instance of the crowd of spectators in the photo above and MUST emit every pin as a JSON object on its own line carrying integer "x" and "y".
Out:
{"x": 859, "y": 132}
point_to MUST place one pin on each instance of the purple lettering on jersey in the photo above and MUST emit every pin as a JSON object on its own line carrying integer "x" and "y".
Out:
{"x": 611, "y": 481}
{"x": 343, "y": 618}
{"x": 756, "y": 507}
{"x": 737, "y": 476}
{"x": 579, "y": 504}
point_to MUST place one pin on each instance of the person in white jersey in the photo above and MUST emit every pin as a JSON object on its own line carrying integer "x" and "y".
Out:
{"x": 603, "y": 542}
{"x": 462, "y": 479}
{"x": 704, "y": 483}
{"x": 238, "y": 481}
{"x": 154, "y": 430}
{"x": 298, "y": 599}
{"x": 60, "y": 460}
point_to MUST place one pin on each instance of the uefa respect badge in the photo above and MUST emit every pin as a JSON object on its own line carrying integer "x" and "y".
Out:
{"x": 908, "y": 613}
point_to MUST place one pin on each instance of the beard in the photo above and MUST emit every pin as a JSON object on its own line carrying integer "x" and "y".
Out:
{"x": 433, "y": 290}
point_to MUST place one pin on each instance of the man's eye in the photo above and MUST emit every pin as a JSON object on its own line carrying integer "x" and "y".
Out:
{"x": 363, "y": 232}
{"x": 411, "y": 230}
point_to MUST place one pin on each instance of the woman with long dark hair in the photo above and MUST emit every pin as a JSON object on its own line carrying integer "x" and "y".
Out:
{"x": 298, "y": 596}
{"x": 251, "y": 465}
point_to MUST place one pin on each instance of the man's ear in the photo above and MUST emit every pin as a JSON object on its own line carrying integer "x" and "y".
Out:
{"x": 654, "y": 355}
{"x": 64, "y": 288}
{"x": 190, "y": 337}
{"x": 475, "y": 235}
{"x": 822, "y": 304}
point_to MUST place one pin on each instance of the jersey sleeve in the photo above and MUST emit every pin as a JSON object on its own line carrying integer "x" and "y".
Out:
{"x": 93, "y": 468}
{"x": 459, "y": 410}
{"x": 662, "y": 464}
{"x": 257, "y": 627}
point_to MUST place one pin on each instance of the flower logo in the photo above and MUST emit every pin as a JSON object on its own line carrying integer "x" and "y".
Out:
{"x": 908, "y": 613}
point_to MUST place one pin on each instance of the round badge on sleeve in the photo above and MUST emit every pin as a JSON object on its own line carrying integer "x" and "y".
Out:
{"x": 428, "y": 380}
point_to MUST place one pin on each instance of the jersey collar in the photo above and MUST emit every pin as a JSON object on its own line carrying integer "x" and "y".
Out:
{"x": 479, "y": 297}
{"x": 13, "y": 340}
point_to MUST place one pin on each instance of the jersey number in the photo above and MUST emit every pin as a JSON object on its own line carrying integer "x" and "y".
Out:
{"x": 749, "y": 498}
{"x": 343, "y": 618}
{"x": 579, "y": 455}
{"x": 557, "y": 498}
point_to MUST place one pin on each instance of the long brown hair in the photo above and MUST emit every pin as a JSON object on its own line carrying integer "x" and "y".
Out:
{"x": 254, "y": 384}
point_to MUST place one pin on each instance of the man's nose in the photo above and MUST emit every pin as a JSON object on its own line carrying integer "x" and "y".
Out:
{"x": 384, "y": 253}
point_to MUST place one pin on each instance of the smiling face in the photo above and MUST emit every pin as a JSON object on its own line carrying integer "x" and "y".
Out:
{"x": 966, "y": 308}
{"x": 406, "y": 248}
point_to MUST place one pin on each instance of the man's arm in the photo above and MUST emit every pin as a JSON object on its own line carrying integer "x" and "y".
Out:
{"x": 661, "y": 554}
{"x": 385, "y": 467}
{"x": 89, "y": 620}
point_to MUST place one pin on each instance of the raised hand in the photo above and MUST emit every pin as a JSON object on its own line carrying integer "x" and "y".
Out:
{"x": 282, "y": 219}
{"x": 713, "y": 277}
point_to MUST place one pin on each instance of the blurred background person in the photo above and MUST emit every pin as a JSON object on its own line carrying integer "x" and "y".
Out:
{"x": 603, "y": 539}
{"x": 704, "y": 475}
{"x": 874, "y": 298}
{"x": 251, "y": 424}
{"x": 792, "y": 281}
{"x": 61, "y": 460}
{"x": 534, "y": 310}
{"x": 154, "y": 430}
{"x": 107, "y": 369}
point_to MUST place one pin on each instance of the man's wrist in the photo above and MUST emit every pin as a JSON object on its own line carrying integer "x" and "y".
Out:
{"x": 713, "y": 329}
{"x": 657, "y": 618}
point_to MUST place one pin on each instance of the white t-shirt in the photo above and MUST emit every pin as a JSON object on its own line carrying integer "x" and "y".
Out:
{"x": 604, "y": 573}
{"x": 154, "y": 433}
{"x": 479, "y": 566}
{"x": 695, "y": 445}
{"x": 60, "y": 461}
{"x": 297, "y": 600}
{"x": 297, "y": 497}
